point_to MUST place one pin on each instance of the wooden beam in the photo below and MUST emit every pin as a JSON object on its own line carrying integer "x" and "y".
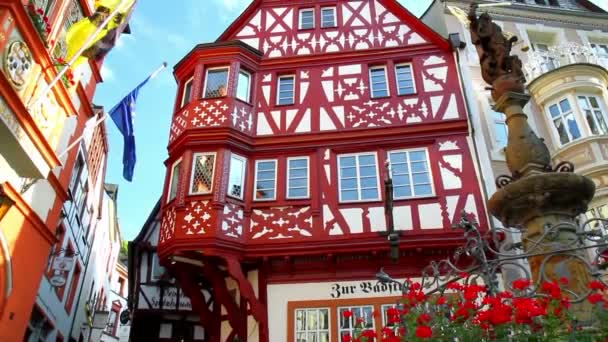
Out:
{"x": 222, "y": 295}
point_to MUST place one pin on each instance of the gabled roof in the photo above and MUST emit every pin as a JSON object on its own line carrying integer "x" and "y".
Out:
{"x": 392, "y": 5}
{"x": 591, "y": 6}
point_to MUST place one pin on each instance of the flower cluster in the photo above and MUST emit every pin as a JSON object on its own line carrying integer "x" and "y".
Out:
{"x": 41, "y": 21}
{"x": 68, "y": 77}
{"x": 470, "y": 312}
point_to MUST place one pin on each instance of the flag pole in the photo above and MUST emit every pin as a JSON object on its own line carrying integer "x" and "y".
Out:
{"x": 85, "y": 46}
{"x": 105, "y": 116}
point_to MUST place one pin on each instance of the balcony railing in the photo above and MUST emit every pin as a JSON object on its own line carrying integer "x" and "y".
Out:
{"x": 541, "y": 62}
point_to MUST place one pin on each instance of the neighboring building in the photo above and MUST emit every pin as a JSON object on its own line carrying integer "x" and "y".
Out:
{"x": 48, "y": 198}
{"x": 564, "y": 50}
{"x": 154, "y": 295}
{"x": 115, "y": 329}
{"x": 273, "y": 196}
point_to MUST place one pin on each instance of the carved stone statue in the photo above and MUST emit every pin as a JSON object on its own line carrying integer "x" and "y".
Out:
{"x": 498, "y": 67}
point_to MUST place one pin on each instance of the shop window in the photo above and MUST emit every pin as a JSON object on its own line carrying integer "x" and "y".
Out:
{"x": 187, "y": 93}
{"x": 307, "y": 18}
{"x": 378, "y": 82}
{"x": 358, "y": 175}
{"x": 328, "y": 17}
{"x": 297, "y": 177}
{"x": 411, "y": 173}
{"x": 405, "y": 79}
{"x": 265, "y": 180}
{"x": 202, "y": 173}
{"x": 216, "y": 83}
{"x": 285, "y": 90}
{"x": 564, "y": 121}
{"x": 347, "y": 323}
{"x": 243, "y": 88}
{"x": 593, "y": 113}
{"x": 174, "y": 180}
{"x": 312, "y": 325}
{"x": 236, "y": 178}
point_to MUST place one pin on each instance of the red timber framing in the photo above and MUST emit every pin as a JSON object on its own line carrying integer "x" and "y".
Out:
{"x": 379, "y": 85}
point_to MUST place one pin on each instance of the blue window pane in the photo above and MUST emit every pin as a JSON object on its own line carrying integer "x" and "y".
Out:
{"x": 300, "y": 192}
{"x": 297, "y": 173}
{"x": 565, "y": 105}
{"x": 502, "y": 134}
{"x": 401, "y": 180}
{"x": 264, "y": 194}
{"x": 402, "y": 191}
{"x": 422, "y": 190}
{"x": 266, "y": 175}
{"x": 369, "y": 194}
{"x": 369, "y": 182}
{"x": 417, "y": 156}
{"x": 419, "y": 167}
{"x": 300, "y": 182}
{"x": 348, "y": 183}
{"x": 573, "y": 127}
{"x": 349, "y": 195}
{"x": 269, "y": 184}
{"x": 554, "y": 110}
{"x": 367, "y": 160}
{"x": 398, "y": 157}
{"x": 347, "y": 161}
{"x": 399, "y": 169}
{"x": 366, "y": 171}
{"x": 297, "y": 163}
{"x": 420, "y": 178}
{"x": 266, "y": 165}
{"x": 348, "y": 172}
{"x": 380, "y": 93}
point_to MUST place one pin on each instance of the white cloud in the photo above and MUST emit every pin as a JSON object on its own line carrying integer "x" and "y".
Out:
{"x": 106, "y": 73}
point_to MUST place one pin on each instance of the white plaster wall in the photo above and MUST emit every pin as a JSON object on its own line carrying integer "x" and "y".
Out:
{"x": 280, "y": 294}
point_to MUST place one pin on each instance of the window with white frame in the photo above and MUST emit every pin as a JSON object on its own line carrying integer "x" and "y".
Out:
{"x": 236, "y": 178}
{"x": 157, "y": 269}
{"x": 328, "y": 17}
{"x": 243, "y": 88}
{"x": 385, "y": 312}
{"x": 216, "y": 82}
{"x": 358, "y": 175}
{"x": 592, "y": 110}
{"x": 378, "y": 82}
{"x": 187, "y": 92}
{"x": 501, "y": 130}
{"x": 564, "y": 121}
{"x": 405, "y": 79}
{"x": 307, "y": 18}
{"x": 347, "y": 323}
{"x": 174, "y": 179}
{"x": 265, "y": 180}
{"x": 285, "y": 90}
{"x": 297, "y": 177}
{"x": 202, "y": 173}
{"x": 312, "y": 325}
{"x": 410, "y": 173}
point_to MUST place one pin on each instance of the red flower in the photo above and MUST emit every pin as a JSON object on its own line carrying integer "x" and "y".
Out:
{"x": 564, "y": 280}
{"x": 360, "y": 320}
{"x": 60, "y": 60}
{"x": 455, "y": 286}
{"x": 441, "y": 300}
{"x": 31, "y": 7}
{"x": 347, "y": 314}
{"x": 392, "y": 315}
{"x": 416, "y": 287}
{"x": 45, "y": 19}
{"x": 595, "y": 298}
{"x": 521, "y": 284}
{"x": 40, "y": 11}
{"x": 423, "y": 331}
{"x": 425, "y": 318}
{"x": 464, "y": 274}
{"x": 597, "y": 285}
{"x": 370, "y": 334}
{"x": 553, "y": 289}
{"x": 346, "y": 338}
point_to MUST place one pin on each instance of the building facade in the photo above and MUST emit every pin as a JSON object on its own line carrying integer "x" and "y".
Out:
{"x": 159, "y": 309}
{"x": 49, "y": 194}
{"x": 283, "y": 134}
{"x": 563, "y": 45}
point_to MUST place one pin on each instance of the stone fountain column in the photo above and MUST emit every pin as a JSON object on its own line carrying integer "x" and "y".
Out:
{"x": 536, "y": 196}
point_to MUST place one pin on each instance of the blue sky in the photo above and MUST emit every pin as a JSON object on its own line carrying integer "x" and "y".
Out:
{"x": 160, "y": 33}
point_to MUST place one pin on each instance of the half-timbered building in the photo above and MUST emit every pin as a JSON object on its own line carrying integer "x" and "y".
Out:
{"x": 283, "y": 133}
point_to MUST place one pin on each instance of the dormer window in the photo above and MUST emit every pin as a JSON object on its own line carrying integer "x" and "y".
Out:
{"x": 328, "y": 17}
{"x": 307, "y": 18}
{"x": 216, "y": 83}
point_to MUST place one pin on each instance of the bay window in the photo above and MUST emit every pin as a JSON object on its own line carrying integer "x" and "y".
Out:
{"x": 216, "y": 82}
{"x": 187, "y": 92}
{"x": 243, "y": 88}
{"x": 236, "y": 177}
{"x": 594, "y": 115}
{"x": 564, "y": 121}
{"x": 202, "y": 173}
{"x": 174, "y": 180}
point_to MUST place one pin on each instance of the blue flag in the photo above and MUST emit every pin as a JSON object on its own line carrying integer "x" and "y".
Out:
{"x": 122, "y": 115}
